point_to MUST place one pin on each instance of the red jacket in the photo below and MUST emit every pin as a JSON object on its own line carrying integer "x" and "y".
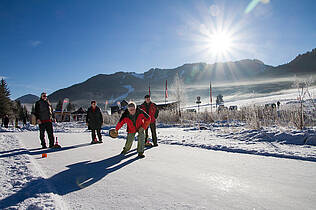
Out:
{"x": 151, "y": 110}
{"x": 140, "y": 119}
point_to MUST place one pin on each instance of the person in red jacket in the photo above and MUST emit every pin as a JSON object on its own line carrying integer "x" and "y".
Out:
{"x": 151, "y": 109}
{"x": 137, "y": 121}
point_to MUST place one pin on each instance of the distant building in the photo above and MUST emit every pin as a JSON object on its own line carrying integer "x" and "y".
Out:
{"x": 118, "y": 106}
{"x": 62, "y": 116}
{"x": 169, "y": 106}
{"x": 66, "y": 116}
{"x": 79, "y": 115}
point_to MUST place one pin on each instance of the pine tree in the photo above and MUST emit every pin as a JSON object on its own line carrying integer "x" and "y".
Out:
{"x": 5, "y": 102}
{"x": 20, "y": 111}
{"x": 25, "y": 113}
{"x": 59, "y": 105}
{"x": 15, "y": 109}
{"x": 70, "y": 107}
{"x": 33, "y": 109}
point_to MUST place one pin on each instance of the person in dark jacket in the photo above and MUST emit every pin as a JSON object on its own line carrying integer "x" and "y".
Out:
{"x": 137, "y": 122}
{"x": 5, "y": 121}
{"x": 24, "y": 120}
{"x": 44, "y": 117}
{"x": 94, "y": 121}
{"x": 151, "y": 109}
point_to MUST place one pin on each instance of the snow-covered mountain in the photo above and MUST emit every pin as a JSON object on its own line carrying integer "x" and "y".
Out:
{"x": 131, "y": 85}
{"x": 301, "y": 65}
{"x": 28, "y": 99}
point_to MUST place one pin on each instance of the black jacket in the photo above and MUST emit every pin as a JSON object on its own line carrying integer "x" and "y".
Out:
{"x": 5, "y": 120}
{"x": 43, "y": 110}
{"x": 94, "y": 118}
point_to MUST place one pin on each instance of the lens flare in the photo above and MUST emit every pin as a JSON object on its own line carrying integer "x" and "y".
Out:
{"x": 220, "y": 43}
{"x": 219, "y": 33}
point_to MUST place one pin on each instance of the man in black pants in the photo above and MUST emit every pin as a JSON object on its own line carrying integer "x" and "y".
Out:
{"x": 94, "y": 121}
{"x": 151, "y": 109}
{"x": 44, "y": 117}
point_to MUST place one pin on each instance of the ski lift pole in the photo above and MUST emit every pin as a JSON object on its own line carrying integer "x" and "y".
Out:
{"x": 198, "y": 101}
{"x": 166, "y": 93}
{"x": 211, "y": 101}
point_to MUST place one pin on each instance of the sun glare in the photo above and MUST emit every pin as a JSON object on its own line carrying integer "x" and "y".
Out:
{"x": 220, "y": 43}
{"x": 220, "y": 35}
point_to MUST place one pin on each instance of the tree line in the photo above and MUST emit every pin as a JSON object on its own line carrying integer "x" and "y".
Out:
{"x": 13, "y": 109}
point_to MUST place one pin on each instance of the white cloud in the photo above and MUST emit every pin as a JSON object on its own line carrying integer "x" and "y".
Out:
{"x": 35, "y": 43}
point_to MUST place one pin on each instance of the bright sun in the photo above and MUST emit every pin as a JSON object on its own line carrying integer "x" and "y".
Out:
{"x": 219, "y": 35}
{"x": 220, "y": 43}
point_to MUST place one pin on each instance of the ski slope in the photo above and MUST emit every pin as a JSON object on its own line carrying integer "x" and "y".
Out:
{"x": 84, "y": 176}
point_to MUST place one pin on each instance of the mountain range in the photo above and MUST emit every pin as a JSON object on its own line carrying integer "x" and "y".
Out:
{"x": 28, "y": 99}
{"x": 130, "y": 85}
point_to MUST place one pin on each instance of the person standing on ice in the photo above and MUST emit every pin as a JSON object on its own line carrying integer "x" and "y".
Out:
{"x": 137, "y": 122}
{"x": 151, "y": 109}
{"x": 44, "y": 117}
{"x": 5, "y": 121}
{"x": 94, "y": 122}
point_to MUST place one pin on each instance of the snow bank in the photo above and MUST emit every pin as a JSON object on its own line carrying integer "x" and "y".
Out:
{"x": 27, "y": 127}
{"x": 19, "y": 171}
{"x": 276, "y": 141}
{"x": 64, "y": 127}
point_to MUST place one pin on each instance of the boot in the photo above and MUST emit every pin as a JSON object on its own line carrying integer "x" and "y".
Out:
{"x": 141, "y": 155}
{"x": 94, "y": 141}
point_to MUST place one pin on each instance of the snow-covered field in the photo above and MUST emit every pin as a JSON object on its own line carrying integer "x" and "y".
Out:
{"x": 286, "y": 97}
{"x": 18, "y": 169}
{"x": 222, "y": 166}
{"x": 232, "y": 137}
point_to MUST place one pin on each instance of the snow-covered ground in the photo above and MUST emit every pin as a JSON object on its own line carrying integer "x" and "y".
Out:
{"x": 234, "y": 137}
{"x": 18, "y": 169}
{"x": 224, "y": 166}
{"x": 285, "y": 97}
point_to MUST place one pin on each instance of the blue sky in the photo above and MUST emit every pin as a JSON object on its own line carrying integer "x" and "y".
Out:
{"x": 47, "y": 45}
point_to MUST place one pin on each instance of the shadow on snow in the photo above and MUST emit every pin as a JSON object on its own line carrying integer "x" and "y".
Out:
{"x": 76, "y": 177}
